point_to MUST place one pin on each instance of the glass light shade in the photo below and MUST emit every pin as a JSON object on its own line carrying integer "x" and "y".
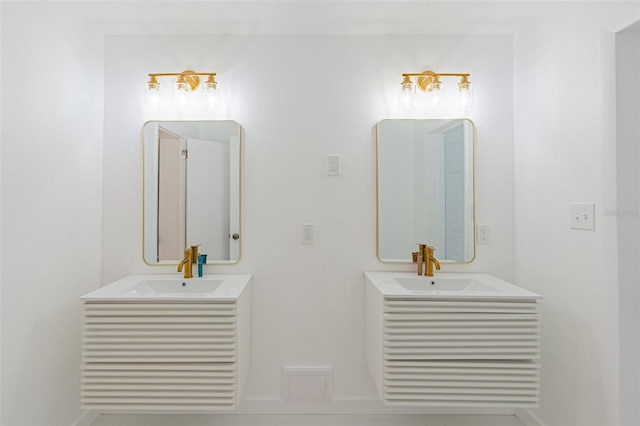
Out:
{"x": 183, "y": 86}
{"x": 465, "y": 96}
{"x": 182, "y": 99}
{"x": 407, "y": 96}
{"x": 210, "y": 100}
{"x": 433, "y": 100}
{"x": 434, "y": 87}
{"x": 152, "y": 96}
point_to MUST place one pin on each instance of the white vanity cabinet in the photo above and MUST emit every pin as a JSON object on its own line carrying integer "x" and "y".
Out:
{"x": 164, "y": 354}
{"x": 442, "y": 349}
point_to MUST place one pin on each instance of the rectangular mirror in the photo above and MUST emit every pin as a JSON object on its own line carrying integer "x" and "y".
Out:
{"x": 191, "y": 184}
{"x": 425, "y": 188}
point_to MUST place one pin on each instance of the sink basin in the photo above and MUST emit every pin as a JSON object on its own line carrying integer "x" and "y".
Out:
{"x": 443, "y": 284}
{"x": 168, "y": 287}
{"x": 446, "y": 285}
{"x": 175, "y": 286}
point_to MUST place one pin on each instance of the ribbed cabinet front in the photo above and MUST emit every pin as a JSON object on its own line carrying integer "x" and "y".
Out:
{"x": 453, "y": 353}
{"x": 470, "y": 353}
{"x": 179, "y": 356}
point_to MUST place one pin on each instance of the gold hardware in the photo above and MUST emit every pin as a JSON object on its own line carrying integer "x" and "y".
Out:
{"x": 429, "y": 81}
{"x": 425, "y": 256}
{"x": 153, "y": 84}
{"x": 187, "y": 80}
{"x": 211, "y": 83}
{"x": 194, "y": 253}
{"x": 407, "y": 85}
{"x": 187, "y": 262}
{"x": 464, "y": 84}
{"x": 430, "y": 260}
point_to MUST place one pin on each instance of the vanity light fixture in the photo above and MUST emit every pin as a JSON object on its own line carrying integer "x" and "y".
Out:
{"x": 429, "y": 82}
{"x": 186, "y": 82}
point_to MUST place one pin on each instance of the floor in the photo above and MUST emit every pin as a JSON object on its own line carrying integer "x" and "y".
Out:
{"x": 297, "y": 420}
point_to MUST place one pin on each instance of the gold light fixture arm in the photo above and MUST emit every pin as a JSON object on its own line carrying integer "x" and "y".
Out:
{"x": 428, "y": 81}
{"x": 189, "y": 77}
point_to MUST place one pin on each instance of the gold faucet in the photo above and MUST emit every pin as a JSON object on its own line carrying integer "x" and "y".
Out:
{"x": 425, "y": 255}
{"x": 187, "y": 262}
{"x": 431, "y": 260}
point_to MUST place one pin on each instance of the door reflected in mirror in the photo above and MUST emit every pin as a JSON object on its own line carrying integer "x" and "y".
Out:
{"x": 191, "y": 184}
{"x": 425, "y": 187}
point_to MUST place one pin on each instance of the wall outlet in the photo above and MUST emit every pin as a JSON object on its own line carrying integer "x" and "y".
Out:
{"x": 333, "y": 165}
{"x": 484, "y": 234}
{"x": 307, "y": 233}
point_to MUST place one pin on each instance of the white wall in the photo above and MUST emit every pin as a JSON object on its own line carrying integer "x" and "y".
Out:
{"x": 298, "y": 99}
{"x": 0, "y": 215}
{"x": 563, "y": 155}
{"x": 628, "y": 207}
{"x": 51, "y": 206}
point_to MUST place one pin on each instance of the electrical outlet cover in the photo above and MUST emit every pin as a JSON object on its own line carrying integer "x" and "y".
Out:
{"x": 484, "y": 234}
{"x": 333, "y": 165}
{"x": 307, "y": 233}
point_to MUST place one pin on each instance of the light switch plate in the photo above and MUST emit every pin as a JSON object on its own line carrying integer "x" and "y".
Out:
{"x": 583, "y": 216}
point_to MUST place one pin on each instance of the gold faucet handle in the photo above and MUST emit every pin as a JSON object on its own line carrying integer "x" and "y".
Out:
{"x": 414, "y": 256}
{"x": 194, "y": 253}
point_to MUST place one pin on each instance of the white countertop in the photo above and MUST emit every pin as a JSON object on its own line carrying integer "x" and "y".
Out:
{"x": 229, "y": 289}
{"x": 481, "y": 286}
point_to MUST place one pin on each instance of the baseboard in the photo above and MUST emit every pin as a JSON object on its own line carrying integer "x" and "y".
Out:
{"x": 86, "y": 418}
{"x": 527, "y": 417}
{"x": 355, "y": 406}
{"x": 275, "y": 406}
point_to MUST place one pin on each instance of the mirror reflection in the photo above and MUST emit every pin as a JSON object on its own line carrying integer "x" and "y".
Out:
{"x": 425, "y": 189}
{"x": 191, "y": 190}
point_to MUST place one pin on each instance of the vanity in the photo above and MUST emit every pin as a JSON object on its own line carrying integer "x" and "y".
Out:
{"x": 452, "y": 340}
{"x": 158, "y": 342}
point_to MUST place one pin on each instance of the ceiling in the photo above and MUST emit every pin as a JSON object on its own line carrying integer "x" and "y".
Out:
{"x": 337, "y": 17}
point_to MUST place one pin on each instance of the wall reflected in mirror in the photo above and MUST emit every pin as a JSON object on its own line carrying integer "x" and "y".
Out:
{"x": 191, "y": 184}
{"x": 425, "y": 188}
